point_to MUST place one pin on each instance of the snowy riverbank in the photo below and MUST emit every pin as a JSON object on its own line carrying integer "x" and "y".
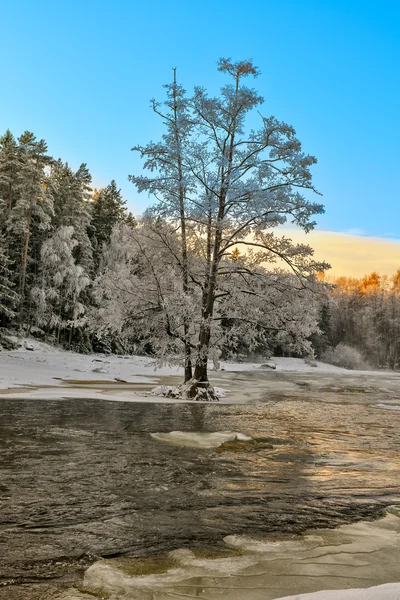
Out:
{"x": 45, "y": 371}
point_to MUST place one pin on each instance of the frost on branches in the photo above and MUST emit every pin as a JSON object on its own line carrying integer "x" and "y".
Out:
{"x": 52, "y": 233}
{"x": 8, "y": 297}
{"x": 61, "y": 283}
{"x": 140, "y": 297}
{"x": 219, "y": 187}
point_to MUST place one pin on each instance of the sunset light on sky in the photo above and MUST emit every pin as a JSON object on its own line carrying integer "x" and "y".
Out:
{"x": 327, "y": 68}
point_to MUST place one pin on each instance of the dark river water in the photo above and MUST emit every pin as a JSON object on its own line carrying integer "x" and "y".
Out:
{"x": 80, "y": 479}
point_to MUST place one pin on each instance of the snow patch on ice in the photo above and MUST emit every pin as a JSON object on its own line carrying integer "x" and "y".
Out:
{"x": 388, "y": 591}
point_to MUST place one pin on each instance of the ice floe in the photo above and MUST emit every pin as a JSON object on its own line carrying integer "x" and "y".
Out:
{"x": 200, "y": 440}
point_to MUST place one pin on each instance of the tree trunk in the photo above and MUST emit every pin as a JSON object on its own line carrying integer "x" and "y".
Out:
{"x": 201, "y": 371}
{"x": 188, "y": 367}
{"x": 25, "y": 256}
{"x": 185, "y": 287}
{"x": 201, "y": 368}
{"x": 9, "y": 200}
{"x": 185, "y": 278}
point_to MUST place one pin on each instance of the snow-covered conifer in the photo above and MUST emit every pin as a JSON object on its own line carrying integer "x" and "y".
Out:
{"x": 108, "y": 209}
{"x": 10, "y": 175}
{"x": 8, "y": 297}
{"x": 72, "y": 207}
{"x": 61, "y": 283}
{"x": 33, "y": 207}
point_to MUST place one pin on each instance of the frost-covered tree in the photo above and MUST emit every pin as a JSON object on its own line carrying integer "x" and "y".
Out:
{"x": 72, "y": 207}
{"x": 171, "y": 182}
{"x": 271, "y": 312}
{"x": 139, "y": 290}
{"x": 238, "y": 186}
{"x": 365, "y": 315}
{"x": 8, "y": 297}
{"x": 32, "y": 208}
{"x": 139, "y": 298}
{"x": 61, "y": 283}
{"x": 108, "y": 209}
{"x": 11, "y": 161}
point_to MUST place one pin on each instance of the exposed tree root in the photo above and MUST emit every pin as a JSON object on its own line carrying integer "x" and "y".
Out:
{"x": 201, "y": 391}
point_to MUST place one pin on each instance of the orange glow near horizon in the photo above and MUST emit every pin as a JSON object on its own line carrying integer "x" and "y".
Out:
{"x": 351, "y": 255}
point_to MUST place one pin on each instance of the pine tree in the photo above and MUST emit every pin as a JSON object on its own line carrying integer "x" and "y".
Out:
{"x": 11, "y": 162}
{"x": 58, "y": 297}
{"x": 108, "y": 209}
{"x": 32, "y": 210}
{"x": 8, "y": 297}
{"x": 396, "y": 281}
{"x": 72, "y": 207}
{"x": 235, "y": 255}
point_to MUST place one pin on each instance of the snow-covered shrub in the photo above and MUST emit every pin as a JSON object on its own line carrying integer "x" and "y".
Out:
{"x": 5, "y": 340}
{"x": 310, "y": 361}
{"x": 344, "y": 356}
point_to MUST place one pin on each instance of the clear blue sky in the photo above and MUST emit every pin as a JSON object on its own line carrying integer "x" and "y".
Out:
{"x": 80, "y": 75}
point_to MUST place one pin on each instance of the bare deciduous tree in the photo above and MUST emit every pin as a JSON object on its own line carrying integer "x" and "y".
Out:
{"x": 228, "y": 187}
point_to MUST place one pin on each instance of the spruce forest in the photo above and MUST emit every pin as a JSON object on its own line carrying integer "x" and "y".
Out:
{"x": 53, "y": 230}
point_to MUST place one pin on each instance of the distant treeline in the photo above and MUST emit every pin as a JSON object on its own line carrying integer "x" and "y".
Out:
{"x": 363, "y": 314}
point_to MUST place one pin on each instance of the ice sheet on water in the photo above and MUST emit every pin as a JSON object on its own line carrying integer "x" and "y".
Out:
{"x": 364, "y": 553}
{"x": 251, "y": 545}
{"x": 200, "y": 440}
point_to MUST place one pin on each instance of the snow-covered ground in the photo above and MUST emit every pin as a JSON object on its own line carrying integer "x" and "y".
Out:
{"x": 44, "y": 371}
{"x": 388, "y": 591}
{"x": 45, "y": 364}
